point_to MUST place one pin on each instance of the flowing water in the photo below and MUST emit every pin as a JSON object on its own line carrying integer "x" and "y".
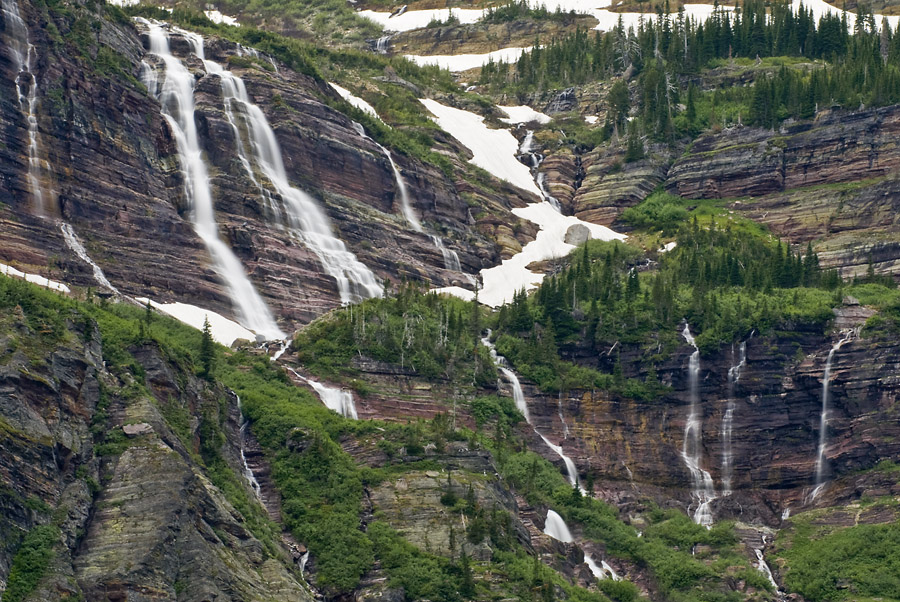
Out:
{"x": 22, "y": 53}
{"x": 248, "y": 474}
{"x": 451, "y": 259}
{"x": 337, "y": 400}
{"x": 692, "y": 451}
{"x": 536, "y": 159}
{"x": 522, "y": 406}
{"x": 821, "y": 459}
{"x": 301, "y": 214}
{"x": 556, "y": 527}
{"x": 175, "y": 90}
{"x": 73, "y": 243}
{"x": 734, "y": 374}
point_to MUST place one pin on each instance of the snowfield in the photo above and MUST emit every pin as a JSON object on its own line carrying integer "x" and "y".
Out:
{"x": 523, "y": 114}
{"x": 8, "y": 270}
{"x": 464, "y": 62}
{"x": 356, "y": 101}
{"x": 493, "y": 150}
{"x": 223, "y": 330}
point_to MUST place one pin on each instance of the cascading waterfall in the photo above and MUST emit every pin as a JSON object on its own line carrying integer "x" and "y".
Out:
{"x": 451, "y": 259}
{"x": 763, "y": 567}
{"x": 692, "y": 453}
{"x": 22, "y": 53}
{"x": 556, "y": 527}
{"x": 336, "y": 400}
{"x": 305, "y": 219}
{"x": 73, "y": 243}
{"x": 821, "y": 459}
{"x": 405, "y": 204}
{"x": 382, "y": 44}
{"x": 734, "y": 374}
{"x": 522, "y": 406}
{"x": 536, "y": 159}
{"x": 248, "y": 474}
{"x": 175, "y": 90}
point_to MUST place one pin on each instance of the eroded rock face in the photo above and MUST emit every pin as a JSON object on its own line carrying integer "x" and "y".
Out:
{"x": 633, "y": 445}
{"x": 138, "y": 518}
{"x": 831, "y": 180}
{"x": 114, "y": 175}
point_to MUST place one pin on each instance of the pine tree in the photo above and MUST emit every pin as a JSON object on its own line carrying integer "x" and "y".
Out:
{"x": 207, "y": 351}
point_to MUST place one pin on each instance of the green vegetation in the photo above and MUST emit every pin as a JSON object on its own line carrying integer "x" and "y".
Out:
{"x": 828, "y": 563}
{"x": 726, "y": 277}
{"x": 31, "y": 562}
{"x": 664, "y": 54}
{"x": 514, "y": 10}
{"x": 435, "y": 336}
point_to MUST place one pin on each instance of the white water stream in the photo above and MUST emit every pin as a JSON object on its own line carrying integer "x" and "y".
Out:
{"x": 821, "y": 458}
{"x": 73, "y": 243}
{"x": 734, "y": 374}
{"x": 335, "y": 399}
{"x": 556, "y": 527}
{"x": 248, "y": 474}
{"x": 22, "y": 53}
{"x": 302, "y": 216}
{"x": 692, "y": 450}
{"x": 175, "y": 90}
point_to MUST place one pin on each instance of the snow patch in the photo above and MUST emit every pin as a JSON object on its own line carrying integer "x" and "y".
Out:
{"x": 523, "y": 114}
{"x": 217, "y": 17}
{"x": 493, "y": 150}
{"x": 592, "y": 119}
{"x": 223, "y": 330}
{"x": 503, "y": 281}
{"x": 8, "y": 270}
{"x": 464, "y": 62}
{"x": 356, "y": 101}
{"x": 417, "y": 19}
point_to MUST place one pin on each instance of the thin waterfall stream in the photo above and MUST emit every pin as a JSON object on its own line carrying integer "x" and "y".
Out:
{"x": 734, "y": 375}
{"x": 22, "y": 52}
{"x": 821, "y": 458}
{"x": 451, "y": 258}
{"x": 174, "y": 87}
{"x": 692, "y": 450}
{"x": 337, "y": 400}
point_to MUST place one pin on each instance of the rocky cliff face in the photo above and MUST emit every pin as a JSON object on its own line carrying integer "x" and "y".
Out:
{"x": 634, "y": 448}
{"x": 831, "y": 181}
{"x": 92, "y": 455}
{"x": 113, "y": 172}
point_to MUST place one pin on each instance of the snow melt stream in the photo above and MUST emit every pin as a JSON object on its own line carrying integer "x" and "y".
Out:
{"x": 496, "y": 151}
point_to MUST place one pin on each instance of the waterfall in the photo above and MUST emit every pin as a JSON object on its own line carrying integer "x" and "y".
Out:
{"x": 305, "y": 219}
{"x": 536, "y": 159}
{"x": 559, "y": 407}
{"x": 519, "y": 398}
{"x": 22, "y": 52}
{"x": 251, "y": 478}
{"x": 382, "y": 44}
{"x": 336, "y": 400}
{"x": 692, "y": 453}
{"x": 405, "y": 204}
{"x": 763, "y": 567}
{"x": 556, "y": 527}
{"x": 451, "y": 259}
{"x": 734, "y": 374}
{"x": 821, "y": 459}
{"x": 175, "y": 90}
{"x": 75, "y": 245}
